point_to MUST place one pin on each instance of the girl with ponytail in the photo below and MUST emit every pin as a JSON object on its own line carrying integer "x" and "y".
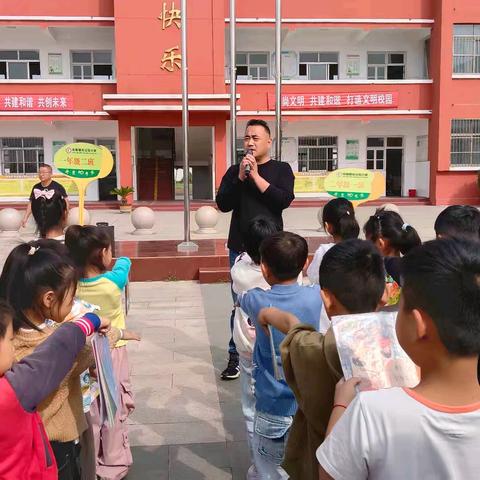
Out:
{"x": 50, "y": 214}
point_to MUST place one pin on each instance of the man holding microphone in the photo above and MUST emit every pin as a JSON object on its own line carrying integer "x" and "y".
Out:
{"x": 258, "y": 186}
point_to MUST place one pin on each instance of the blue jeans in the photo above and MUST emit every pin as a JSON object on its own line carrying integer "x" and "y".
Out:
{"x": 232, "y": 256}
{"x": 270, "y": 435}
{"x": 248, "y": 397}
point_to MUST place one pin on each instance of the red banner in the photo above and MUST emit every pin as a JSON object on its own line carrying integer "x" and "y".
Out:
{"x": 319, "y": 101}
{"x": 22, "y": 102}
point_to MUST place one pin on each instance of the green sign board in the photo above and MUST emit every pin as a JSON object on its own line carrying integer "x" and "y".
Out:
{"x": 352, "y": 150}
{"x": 79, "y": 160}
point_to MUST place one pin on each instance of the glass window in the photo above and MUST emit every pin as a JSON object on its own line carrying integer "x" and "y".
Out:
{"x": 317, "y": 72}
{"x": 308, "y": 57}
{"x": 19, "y": 64}
{"x": 318, "y": 65}
{"x": 20, "y": 155}
{"x": 465, "y": 143}
{"x": 8, "y": 54}
{"x": 317, "y": 154}
{"x": 241, "y": 58}
{"x": 89, "y": 64}
{"x": 386, "y": 65}
{"x": 18, "y": 70}
{"x": 81, "y": 57}
{"x": 255, "y": 65}
{"x": 375, "y": 141}
{"x": 466, "y": 49}
{"x": 102, "y": 57}
{"x": 29, "y": 55}
{"x": 394, "y": 142}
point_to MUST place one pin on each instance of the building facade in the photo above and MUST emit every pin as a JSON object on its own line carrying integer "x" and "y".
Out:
{"x": 386, "y": 86}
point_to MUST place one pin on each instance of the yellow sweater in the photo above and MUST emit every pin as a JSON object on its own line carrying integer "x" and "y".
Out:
{"x": 105, "y": 291}
{"x": 62, "y": 411}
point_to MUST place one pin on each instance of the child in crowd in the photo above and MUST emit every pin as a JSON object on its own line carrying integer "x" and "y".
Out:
{"x": 49, "y": 210}
{"x": 283, "y": 257}
{"x": 39, "y": 281}
{"x": 393, "y": 237}
{"x": 26, "y": 451}
{"x": 430, "y": 431}
{"x": 338, "y": 219}
{"x": 91, "y": 250}
{"x": 458, "y": 221}
{"x": 247, "y": 274}
{"x": 352, "y": 279}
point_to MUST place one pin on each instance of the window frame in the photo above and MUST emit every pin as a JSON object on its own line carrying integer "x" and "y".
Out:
{"x": 331, "y": 160}
{"x": 474, "y": 56}
{"x": 91, "y": 64}
{"x": 383, "y": 148}
{"x": 328, "y": 65}
{"x": 387, "y": 63}
{"x": 471, "y": 136}
{"x": 21, "y": 60}
{"x": 40, "y": 155}
{"x": 251, "y": 66}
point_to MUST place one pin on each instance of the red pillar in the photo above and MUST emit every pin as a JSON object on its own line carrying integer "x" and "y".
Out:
{"x": 439, "y": 132}
{"x": 220, "y": 150}
{"x": 124, "y": 145}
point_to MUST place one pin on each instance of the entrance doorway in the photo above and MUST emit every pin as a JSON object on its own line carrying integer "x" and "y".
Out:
{"x": 385, "y": 154}
{"x": 155, "y": 159}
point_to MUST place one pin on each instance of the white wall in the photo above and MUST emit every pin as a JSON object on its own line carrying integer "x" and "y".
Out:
{"x": 345, "y": 41}
{"x": 360, "y": 130}
{"x": 62, "y": 131}
{"x": 57, "y": 40}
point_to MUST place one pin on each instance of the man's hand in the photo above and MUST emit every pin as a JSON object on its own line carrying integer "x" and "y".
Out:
{"x": 24, "y": 222}
{"x": 247, "y": 160}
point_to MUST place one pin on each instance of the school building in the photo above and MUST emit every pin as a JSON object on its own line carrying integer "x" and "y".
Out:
{"x": 387, "y": 86}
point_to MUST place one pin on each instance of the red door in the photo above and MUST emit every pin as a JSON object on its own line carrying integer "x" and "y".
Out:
{"x": 155, "y": 179}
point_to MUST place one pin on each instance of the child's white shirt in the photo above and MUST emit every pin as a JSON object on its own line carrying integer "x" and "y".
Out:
{"x": 314, "y": 267}
{"x": 245, "y": 276}
{"x": 397, "y": 434}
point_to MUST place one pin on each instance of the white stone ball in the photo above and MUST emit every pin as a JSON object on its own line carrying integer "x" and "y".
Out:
{"x": 10, "y": 220}
{"x": 73, "y": 215}
{"x": 143, "y": 218}
{"x": 207, "y": 219}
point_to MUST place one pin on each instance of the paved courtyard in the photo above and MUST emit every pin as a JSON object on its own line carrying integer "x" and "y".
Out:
{"x": 187, "y": 423}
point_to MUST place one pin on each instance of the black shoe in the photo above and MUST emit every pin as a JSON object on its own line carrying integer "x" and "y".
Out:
{"x": 233, "y": 370}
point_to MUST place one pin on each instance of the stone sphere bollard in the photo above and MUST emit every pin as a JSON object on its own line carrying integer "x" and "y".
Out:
{"x": 73, "y": 215}
{"x": 143, "y": 219}
{"x": 207, "y": 219}
{"x": 320, "y": 220}
{"x": 10, "y": 222}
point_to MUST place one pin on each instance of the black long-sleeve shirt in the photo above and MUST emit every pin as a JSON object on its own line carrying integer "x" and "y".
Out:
{"x": 247, "y": 202}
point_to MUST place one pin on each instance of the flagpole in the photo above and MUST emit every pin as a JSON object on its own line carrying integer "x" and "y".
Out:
{"x": 278, "y": 78}
{"x": 187, "y": 245}
{"x": 233, "y": 85}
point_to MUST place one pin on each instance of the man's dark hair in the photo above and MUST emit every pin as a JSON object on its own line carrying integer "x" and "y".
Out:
{"x": 354, "y": 272}
{"x": 442, "y": 278}
{"x": 48, "y": 213}
{"x": 258, "y": 230}
{"x": 459, "y": 221}
{"x": 6, "y": 318}
{"x": 285, "y": 254}
{"x": 261, "y": 123}
{"x": 45, "y": 165}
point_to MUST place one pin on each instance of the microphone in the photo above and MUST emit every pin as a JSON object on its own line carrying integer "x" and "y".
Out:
{"x": 248, "y": 168}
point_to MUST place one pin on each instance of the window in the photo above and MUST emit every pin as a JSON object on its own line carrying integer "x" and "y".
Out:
{"x": 465, "y": 143}
{"x": 317, "y": 154}
{"x": 466, "y": 49}
{"x": 92, "y": 64}
{"x": 377, "y": 148}
{"x": 386, "y": 65}
{"x": 20, "y": 155}
{"x": 19, "y": 64}
{"x": 318, "y": 65}
{"x": 253, "y": 65}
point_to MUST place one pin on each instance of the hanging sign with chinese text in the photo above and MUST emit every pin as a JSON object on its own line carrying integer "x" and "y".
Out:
{"x": 355, "y": 184}
{"x": 319, "y": 101}
{"x": 22, "y": 102}
{"x": 83, "y": 163}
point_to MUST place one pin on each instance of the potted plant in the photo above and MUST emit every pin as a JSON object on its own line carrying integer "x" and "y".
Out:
{"x": 123, "y": 193}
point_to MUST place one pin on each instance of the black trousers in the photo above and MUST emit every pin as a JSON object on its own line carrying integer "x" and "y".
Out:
{"x": 67, "y": 455}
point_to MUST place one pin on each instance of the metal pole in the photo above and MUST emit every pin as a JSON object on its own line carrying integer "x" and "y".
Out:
{"x": 186, "y": 245}
{"x": 233, "y": 85}
{"x": 278, "y": 78}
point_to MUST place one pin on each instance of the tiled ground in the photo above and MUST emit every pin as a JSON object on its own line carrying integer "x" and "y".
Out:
{"x": 187, "y": 423}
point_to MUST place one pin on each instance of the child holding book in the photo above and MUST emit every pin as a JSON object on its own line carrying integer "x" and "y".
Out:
{"x": 352, "y": 279}
{"x": 430, "y": 431}
{"x": 91, "y": 250}
{"x": 283, "y": 256}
